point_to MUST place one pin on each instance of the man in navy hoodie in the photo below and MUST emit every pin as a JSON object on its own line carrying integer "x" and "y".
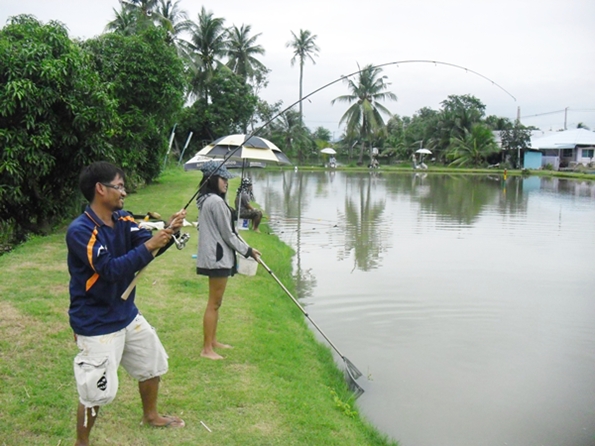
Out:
{"x": 105, "y": 250}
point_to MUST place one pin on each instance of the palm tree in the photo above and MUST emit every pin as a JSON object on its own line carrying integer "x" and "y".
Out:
{"x": 304, "y": 48}
{"x": 293, "y": 135}
{"x": 364, "y": 116}
{"x": 124, "y": 23}
{"x": 175, "y": 21}
{"x": 242, "y": 50}
{"x": 208, "y": 43}
{"x": 133, "y": 15}
{"x": 473, "y": 147}
{"x": 145, "y": 7}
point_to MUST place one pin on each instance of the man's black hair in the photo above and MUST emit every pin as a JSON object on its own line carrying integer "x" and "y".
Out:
{"x": 97, "y": 172}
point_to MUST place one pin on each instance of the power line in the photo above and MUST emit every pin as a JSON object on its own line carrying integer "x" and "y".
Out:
{"x": 559, "y": 111}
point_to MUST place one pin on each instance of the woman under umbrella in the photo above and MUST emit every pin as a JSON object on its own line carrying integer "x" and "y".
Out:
{"x": 217, "y": 244}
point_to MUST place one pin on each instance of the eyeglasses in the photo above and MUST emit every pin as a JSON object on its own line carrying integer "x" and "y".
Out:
{"x": 118, "y": 187}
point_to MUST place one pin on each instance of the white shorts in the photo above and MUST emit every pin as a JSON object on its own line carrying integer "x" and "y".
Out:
{"x": 137, "y": 347}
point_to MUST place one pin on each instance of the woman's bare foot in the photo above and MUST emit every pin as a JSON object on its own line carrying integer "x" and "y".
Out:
{"x": 210, "y": 355}
{"x": 221, "y": 345}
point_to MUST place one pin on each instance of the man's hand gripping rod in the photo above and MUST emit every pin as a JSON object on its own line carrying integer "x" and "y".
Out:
{"x": 180, "y": 244}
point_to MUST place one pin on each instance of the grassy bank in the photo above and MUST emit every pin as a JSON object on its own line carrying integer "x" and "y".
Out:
{"x": 278, "y": 386}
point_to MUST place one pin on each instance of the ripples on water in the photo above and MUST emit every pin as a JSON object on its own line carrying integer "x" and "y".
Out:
{"x": 468, "y": 302}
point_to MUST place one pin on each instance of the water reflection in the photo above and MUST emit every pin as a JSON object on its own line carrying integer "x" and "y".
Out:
{"x": 367, "y": 231}
{"x": 467, "y": 301}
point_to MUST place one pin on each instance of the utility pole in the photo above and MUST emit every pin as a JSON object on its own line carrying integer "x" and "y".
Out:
{"x": 565, "y": 117}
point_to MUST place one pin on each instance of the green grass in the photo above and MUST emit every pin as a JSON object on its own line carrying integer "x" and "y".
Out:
{"x": 278, "y": 386}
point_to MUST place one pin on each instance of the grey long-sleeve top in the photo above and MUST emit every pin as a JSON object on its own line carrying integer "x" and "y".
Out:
{"x": 217, "y": 241}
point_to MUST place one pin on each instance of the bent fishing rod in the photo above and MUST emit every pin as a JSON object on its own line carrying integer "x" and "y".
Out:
{"x": 341, "y": 78}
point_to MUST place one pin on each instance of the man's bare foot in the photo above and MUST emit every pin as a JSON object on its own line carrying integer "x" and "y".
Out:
{"x": 257, "y": 230}
{"x": 165, "y": 421}
{"x": 221, "y": 345}
{"x": 210, "y": 355}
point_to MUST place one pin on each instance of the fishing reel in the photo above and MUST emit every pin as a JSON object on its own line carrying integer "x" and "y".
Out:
{"x": 181, "y": 240}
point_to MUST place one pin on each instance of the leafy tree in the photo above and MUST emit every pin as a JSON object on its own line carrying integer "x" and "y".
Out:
{"x": 242, "y": 50}
{"x": 55, "y": 117}
{"x": 148, "y": 82}
{"x": 231, "y": 107}
{"x": 473, "y": 148}
{"x": 364, "y": 116}
{"x": 322, "y": 137}
{"x": 514, "y": 139}
{"x": 304, "y": 47}
{"x": 457, "y": 116}
{"x": 498, "y": 122}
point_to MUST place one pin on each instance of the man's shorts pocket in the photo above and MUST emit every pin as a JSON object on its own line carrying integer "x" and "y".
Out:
{"x": 95, "y": 385}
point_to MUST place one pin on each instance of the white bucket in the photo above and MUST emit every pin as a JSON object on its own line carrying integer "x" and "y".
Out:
{"x": 247, "y": 266}
{"x": 244, "y": 224}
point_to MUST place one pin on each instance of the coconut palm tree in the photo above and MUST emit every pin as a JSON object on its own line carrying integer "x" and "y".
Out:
{"x": 364, "y": 116}
{"x": 242, "y": 49}
{"x": 175, "y": 20}
{"x": 473, "y": 148}
{"x": 292, "y": 135}
{"x": 208, "y": 44}
{"x": 134, "y": 14}
{"x": 145, "y": 7}
{"x": 304, "y": 47}
{"x": 124, "y": 23}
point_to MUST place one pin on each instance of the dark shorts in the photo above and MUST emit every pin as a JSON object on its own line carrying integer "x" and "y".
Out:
{"x": 250, "y": 213}
{"x": 223, "y": 272}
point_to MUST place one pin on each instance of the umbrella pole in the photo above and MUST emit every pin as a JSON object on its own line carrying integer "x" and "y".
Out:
{"x": 239, "y": 197}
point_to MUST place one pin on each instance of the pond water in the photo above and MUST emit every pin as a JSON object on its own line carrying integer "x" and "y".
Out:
{"x": 468, "y": 302}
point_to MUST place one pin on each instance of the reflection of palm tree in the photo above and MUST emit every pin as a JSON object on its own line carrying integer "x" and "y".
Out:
{"x": 364, "y": 233}
{"x": 295, "y": 203}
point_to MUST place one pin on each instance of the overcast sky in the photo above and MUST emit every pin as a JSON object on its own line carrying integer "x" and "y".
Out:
{"x": 542, "y": 52}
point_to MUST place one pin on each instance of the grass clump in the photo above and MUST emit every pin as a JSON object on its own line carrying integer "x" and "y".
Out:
{"x": 278, "y": 386}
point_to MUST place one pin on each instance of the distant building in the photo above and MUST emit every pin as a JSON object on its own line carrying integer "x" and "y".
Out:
{"x": 568, "y": 148}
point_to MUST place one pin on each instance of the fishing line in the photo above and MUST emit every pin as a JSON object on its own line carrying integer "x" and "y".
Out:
{"x": 341, "y": 78}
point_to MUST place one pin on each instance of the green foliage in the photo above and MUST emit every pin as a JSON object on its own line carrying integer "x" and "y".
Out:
{"x": 473, "y": 148}
{"x": 514, "y": 138}
{"x": 343, "y": 406}
{"x": 288, "y": 132}
{"x": 364, "y": 116}
{"x": 148, "y": 82}
{"x": 231, "y": 107}
{"x": 304, "y": 47}
{"x": 55, "y": 116}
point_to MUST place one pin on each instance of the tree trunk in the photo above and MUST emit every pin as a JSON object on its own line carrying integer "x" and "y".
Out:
{"x": 360, "y": 160}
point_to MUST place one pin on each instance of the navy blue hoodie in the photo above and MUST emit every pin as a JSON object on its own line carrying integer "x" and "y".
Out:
{"x": 102, "y": 262}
